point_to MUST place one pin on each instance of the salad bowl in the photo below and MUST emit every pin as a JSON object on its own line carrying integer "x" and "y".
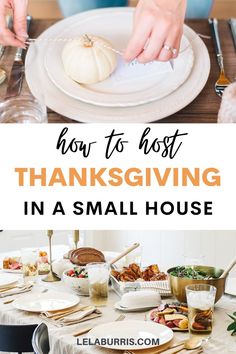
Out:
{"x": 182, "y": 276}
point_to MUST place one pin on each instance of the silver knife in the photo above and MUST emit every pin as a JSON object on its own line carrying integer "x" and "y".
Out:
{"x": 232, "y": 23}
{"x": 9, "y": 25}
{"x": 18, "y": 70}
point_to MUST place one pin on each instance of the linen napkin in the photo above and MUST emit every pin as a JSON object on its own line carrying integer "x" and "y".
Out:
{"x": 16, "y": 291}
{"x": 227, "y": 113}
{"x": 75, "y": 316}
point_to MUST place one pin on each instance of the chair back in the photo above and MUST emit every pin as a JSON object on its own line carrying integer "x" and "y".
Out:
{"x": 40, "y": 340}
{"x": 16, "y": 338}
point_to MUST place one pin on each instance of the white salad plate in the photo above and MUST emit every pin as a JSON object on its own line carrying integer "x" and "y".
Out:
{"x": 8, "y": 280}
{"x": 43, "y": 88}
{"x": 50, "y": 301}
{"x": 129, "y": 85}
{"x": 230, "y": 288}
{"x": 132, "y": 329}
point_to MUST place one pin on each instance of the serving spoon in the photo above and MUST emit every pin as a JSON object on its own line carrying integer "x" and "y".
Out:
{"x": 191, "y": 344}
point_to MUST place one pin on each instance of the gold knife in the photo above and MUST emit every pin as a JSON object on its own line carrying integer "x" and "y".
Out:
{"x": 18, "y": 70}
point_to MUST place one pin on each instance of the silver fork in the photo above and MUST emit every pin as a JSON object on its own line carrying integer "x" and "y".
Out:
{"x": 223, "y": 82}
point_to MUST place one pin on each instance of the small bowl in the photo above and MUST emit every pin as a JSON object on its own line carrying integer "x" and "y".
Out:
{"x": 79, "y": 284}
{"x": 178, "y": 284}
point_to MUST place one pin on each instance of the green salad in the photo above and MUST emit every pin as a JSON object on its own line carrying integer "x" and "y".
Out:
{"x": 188, "y": 272}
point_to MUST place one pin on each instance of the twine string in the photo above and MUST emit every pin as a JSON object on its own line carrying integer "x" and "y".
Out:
{"x": 30, "y": 41}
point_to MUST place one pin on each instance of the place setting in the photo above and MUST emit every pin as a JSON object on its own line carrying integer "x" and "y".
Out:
{"x": 133, "y": 91}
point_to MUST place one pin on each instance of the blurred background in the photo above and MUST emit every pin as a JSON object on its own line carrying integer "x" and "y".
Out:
{"x": 50, "y": 9}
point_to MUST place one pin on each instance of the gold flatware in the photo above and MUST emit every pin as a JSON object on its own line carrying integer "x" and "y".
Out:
{"x": 88, "y": 329}
{"x": 58, "y": 316}
{"x": 173, "y": 346}
{"x": 223, "y": 82}
{"x": 191, "y": 344}
{"x": 24, "y": 290}
{"x": 12, "y": 300}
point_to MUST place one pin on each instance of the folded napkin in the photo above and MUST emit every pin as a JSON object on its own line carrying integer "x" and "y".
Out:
{"x": 227, "y": 113}
{"x": 16, "y": 291}
{"x": 81, "y": 314}
{"x": 60, "y": 313}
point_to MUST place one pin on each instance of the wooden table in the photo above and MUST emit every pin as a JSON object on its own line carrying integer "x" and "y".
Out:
{"x": 205, "y": 107}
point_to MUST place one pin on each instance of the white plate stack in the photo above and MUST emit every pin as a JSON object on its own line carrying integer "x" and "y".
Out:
{"x": 143, "y": 95}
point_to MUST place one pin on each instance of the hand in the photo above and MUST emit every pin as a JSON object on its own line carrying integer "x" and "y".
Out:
{"x": 157, "y": 32}
{"x": 19, "y": 9}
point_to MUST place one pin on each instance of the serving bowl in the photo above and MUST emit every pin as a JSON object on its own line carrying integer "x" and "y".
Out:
{"x": 178, "y": 284}
{"x": 79, "y": 284}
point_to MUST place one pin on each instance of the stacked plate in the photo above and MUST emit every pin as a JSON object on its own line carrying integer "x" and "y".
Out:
{"x": 143, "y": 99}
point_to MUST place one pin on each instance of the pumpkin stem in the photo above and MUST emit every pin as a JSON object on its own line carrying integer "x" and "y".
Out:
{"x": 87, "y": 41}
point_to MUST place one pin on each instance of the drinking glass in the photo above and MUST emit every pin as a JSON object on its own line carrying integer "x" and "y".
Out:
{"x": 29, "y": 260}
{"x": 201, "y": 300}
{"x": 23, "y": 109}
{"x": 98, "y": 276}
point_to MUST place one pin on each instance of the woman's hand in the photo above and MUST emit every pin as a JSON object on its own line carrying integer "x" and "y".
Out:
{"x": 19, "y": 9}
{"x": 157, "y": 32}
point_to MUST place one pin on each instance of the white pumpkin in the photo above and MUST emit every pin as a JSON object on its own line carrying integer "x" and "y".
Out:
{"x": 88, "y": 59}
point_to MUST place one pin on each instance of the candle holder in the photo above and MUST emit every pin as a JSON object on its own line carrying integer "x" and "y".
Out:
{"x": 76, "y": 238}
{"x": 51, "y": 277}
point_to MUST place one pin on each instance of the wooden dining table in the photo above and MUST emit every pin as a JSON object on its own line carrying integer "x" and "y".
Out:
{"x": 204, "y": 109}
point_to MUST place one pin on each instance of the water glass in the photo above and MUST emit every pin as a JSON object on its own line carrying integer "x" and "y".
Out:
{"x": 23, "y": 110}
{"x": 201, "y": 300}
{"x": 98, "y": 276}
{"x": 29, "y": 259}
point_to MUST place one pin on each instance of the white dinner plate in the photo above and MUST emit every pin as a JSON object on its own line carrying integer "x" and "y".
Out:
{"x": 8, "y": 280}
{"x": 43, "y": 88}
{"x": 13, "y": 271}
{"x": 119, "y": 307}
{"x": 50, "y": 301}
{"x": 134, "y": 330}
{"x": 230, "y": 288}
{"x": 129, "y": 85}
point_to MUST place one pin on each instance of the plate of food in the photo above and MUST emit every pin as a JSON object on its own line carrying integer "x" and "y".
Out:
{"x": 85, "y": 62}
{"x": 42, "y": 86}
{"x": 134, "y": 277}
{"x": 174, "y": 316}
{"x": 14, "y": 265}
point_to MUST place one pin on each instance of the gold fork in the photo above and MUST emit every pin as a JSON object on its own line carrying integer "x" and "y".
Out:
{"x": 86, "y": 330}
{"x": 223, "y": 82}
